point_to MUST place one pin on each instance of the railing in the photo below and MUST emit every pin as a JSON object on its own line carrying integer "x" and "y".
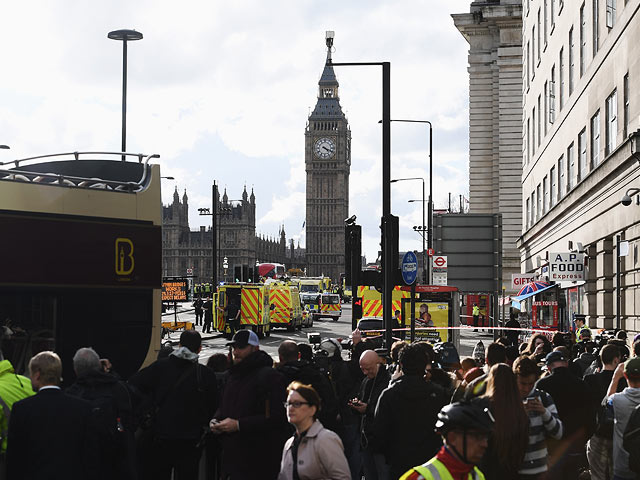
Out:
{"x": 17, "y": 174}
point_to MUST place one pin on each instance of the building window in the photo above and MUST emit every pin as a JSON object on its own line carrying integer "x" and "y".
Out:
{"x": 583, "y": 41}
{"x": 611, "y": 13}
{"x": 533, "y": 51}
{"x": 539, "y": 44}
{"x": 571, "y": 158}
{"x": 595, "y": 26}
{"x": 528, "y": 142}
{"x": 571, "y": 61}
{"x": 527, "y": 218}
{"x": 552, "y": 95}
{"x": 533, "y": 207}
{"x": 546, "y": 106}
{"x": 552, "y": 176}
{"x": 528, "y": 65}
{"x": 561, "y": 78}
{"x": 546, "y": 22}
{"x": 625, "y": 107}
{"x": 582, "y": 152}
{"x": 533, "y": 134}
{"x": 611, "y": 123}
{"x": 539, "y": 205}
{"x": 539, "y": 116}
{"x": 560, "y": 176}
{"x": 545, "y": 195}
{"x": 595, "y": 140}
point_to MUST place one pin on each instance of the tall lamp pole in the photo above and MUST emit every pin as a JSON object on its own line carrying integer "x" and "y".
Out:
{"x": 124, "y": 36}
{"x": 387, "y": 253}
{"x": 424, "y": 258}
{"x": 430, "y": 204}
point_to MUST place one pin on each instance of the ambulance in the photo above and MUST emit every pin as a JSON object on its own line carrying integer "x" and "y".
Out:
{"x": 311, "y": 285}
{"x": 329, "y": 307}
{"x": 255, "y": 307}
{"x": 372, "y": 301}
{"x": 286, "y": 311}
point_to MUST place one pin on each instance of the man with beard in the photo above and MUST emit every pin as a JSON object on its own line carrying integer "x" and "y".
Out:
{"x": 251, "y": 419}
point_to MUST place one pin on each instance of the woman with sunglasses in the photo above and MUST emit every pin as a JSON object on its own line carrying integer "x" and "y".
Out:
{"x": 313, "y": 452}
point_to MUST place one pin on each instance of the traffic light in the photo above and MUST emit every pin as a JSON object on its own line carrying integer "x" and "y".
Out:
{"x": 352, "y": 254}
{"x": 356, "y": 310}
{"x": 390, "y": 234}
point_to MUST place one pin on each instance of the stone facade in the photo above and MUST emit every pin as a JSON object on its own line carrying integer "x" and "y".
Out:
{"x": 494, "y": 32}
{"x": 184, "y": 249}
{"x": 581, "y": 107}
{"x": 328, "y": 162}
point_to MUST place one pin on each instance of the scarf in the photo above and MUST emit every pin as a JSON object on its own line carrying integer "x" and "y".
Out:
{"x": 185, "y": 354}
{"x": 457, "y": 468}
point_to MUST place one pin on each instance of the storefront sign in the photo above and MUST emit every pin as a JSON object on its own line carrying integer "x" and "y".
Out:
{"x": 518, "y": 280}
{"x": 566, "y": 266}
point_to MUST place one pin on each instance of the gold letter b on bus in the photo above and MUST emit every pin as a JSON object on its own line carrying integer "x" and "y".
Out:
{"x": 124, "y": 256}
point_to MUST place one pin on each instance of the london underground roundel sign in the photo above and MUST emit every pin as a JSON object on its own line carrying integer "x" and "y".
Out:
{"x": 409, "y": 268}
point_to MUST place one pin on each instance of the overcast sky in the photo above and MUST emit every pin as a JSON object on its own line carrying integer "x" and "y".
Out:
{"x": 222, "y": 90}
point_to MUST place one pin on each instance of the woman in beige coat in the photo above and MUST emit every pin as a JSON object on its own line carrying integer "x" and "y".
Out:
{"x": 313, "y": 453}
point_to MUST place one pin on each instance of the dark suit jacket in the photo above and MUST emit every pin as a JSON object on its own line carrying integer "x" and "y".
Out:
{"x": 50, "y": 436}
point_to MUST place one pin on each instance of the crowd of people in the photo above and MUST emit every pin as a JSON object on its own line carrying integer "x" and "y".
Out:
{"x": 546, "y": 409}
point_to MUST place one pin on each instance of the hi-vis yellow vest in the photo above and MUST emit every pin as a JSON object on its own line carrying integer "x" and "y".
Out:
{"x": 476, "y": 311}
{"x": 434, "y": 469}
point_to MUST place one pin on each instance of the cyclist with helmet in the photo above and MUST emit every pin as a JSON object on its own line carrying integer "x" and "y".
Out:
{"x": 465, "y": 428}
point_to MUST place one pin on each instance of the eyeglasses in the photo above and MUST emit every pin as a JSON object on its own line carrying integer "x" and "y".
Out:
{"x": 294, "y": 404}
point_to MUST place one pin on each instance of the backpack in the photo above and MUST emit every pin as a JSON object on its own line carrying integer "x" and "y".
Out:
{"x": 631, "y": 440}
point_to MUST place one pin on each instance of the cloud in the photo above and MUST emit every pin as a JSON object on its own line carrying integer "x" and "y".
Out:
{"x": 222, "y": 91}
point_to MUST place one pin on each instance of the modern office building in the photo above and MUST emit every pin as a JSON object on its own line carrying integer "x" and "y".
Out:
{"x": 581, "y": 73}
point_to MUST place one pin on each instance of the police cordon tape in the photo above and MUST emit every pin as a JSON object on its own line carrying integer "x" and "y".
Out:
{"x": 471, "y": 327}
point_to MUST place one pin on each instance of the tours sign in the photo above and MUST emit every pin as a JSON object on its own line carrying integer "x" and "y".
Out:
{"x": 566, "y": 267}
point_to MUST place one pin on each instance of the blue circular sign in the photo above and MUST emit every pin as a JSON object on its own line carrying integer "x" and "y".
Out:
{"x": 409, "y": 268}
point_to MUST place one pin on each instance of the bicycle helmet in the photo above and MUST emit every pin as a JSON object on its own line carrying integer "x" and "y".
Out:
{"x": 474, "y": 415}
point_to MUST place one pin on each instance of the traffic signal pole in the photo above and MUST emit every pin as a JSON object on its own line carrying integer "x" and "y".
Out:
{"x": 387, "y": 251}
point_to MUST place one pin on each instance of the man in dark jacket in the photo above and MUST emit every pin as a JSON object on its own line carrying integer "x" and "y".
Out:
{"x": 376, "y": 380}
{"x": 303, "y": 371}
{"x": 406, "y": 414}
{"x": 112, "y": 414}
{"x": 184, "y": 395}
{"x": 576, "y": 411}
{"x": 251, "y": 419}
{"x": 50, "y": 434}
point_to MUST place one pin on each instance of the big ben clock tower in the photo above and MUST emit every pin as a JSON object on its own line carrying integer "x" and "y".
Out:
{"x": 327, "y": 161}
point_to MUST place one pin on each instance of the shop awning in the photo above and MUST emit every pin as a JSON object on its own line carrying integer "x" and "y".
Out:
{"x": 527, "y": 295}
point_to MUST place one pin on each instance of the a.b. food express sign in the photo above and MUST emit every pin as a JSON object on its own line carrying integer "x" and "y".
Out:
{"x": 566, "y": 267}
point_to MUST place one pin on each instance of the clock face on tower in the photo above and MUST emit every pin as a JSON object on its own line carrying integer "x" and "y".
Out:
{"x": 324, "y": 148}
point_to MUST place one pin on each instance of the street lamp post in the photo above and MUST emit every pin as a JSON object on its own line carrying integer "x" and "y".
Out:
{"x": 124, "y": 36}
{"x": 424, "y": 258}
{"x": 387, "y": 252}
{"x": 430, "y": 204}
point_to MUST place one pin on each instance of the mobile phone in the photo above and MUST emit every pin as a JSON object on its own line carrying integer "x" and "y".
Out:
{"x": 525, "y": 401}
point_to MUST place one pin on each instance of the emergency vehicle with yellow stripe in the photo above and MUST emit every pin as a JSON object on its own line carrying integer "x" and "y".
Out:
{"x": 286, "y": 311}
{"x": 255, "y": 307}
{"x": 372, "y": 301}
{"x": 329, "y": 307}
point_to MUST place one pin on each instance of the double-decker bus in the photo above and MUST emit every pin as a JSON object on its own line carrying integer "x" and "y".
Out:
{"x": 81, "y": 245}
{"x": 271, "y": 270}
